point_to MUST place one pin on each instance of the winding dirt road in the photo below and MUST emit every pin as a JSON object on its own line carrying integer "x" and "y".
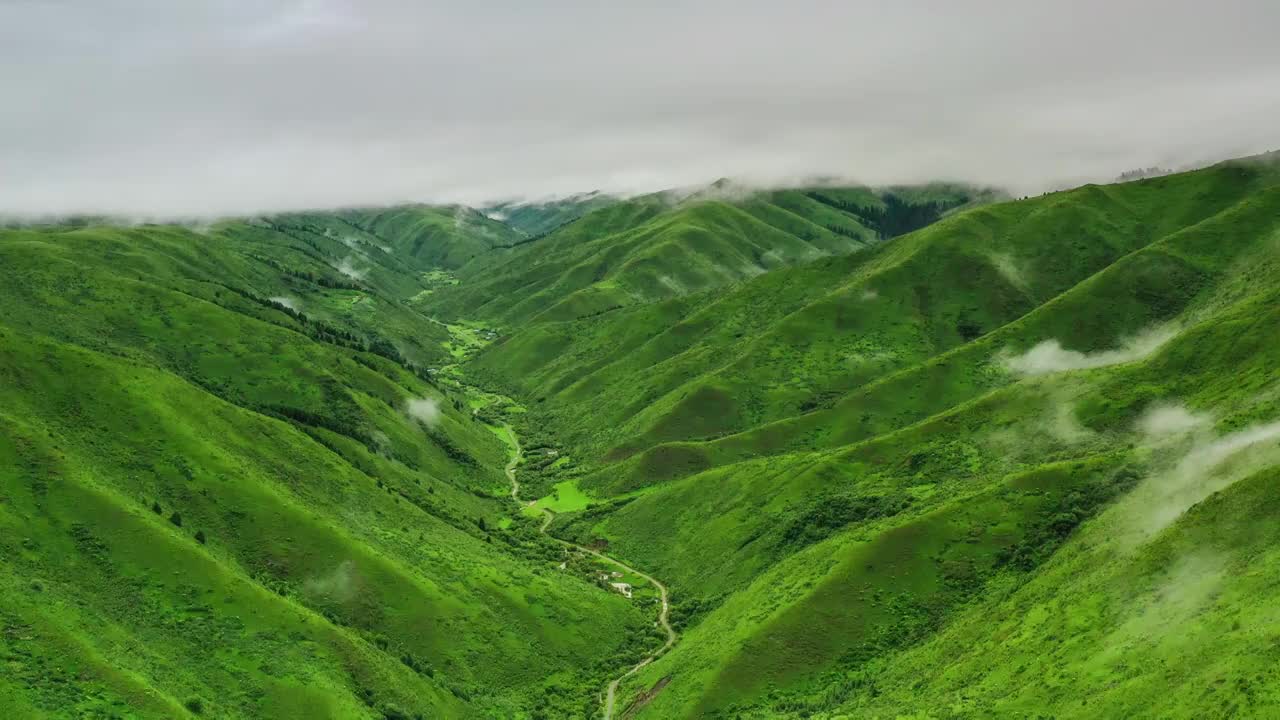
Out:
{"x": 612, "y": 691}
{"x": 513, "y": 462}
{"x": 664, "y": 622}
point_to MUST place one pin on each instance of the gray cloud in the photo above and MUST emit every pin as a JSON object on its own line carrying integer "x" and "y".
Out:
{"x": 152, "y": 107}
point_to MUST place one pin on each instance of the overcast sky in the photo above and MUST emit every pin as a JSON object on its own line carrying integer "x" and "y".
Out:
{"x": 182, "y": 107}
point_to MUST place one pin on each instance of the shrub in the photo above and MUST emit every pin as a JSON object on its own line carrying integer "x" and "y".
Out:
{"x": 823, "y": 516}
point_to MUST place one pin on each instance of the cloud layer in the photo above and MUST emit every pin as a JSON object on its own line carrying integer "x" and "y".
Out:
{"x": 149, "y": 107}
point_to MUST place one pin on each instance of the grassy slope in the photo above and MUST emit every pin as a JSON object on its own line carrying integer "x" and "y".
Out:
{"x": 823, "y": 626}
{"x": 1078, "y": 636}
{"x": 655, "y": 247}
{"x": 798, "y": 352}
{"x": 428, "y": 236}
{"x": 347, "y": 562}
{"x": 319, "y": 265}
{"x": 860, "y": 508}
{"x": 909, "y": 501}
{"x": 539, "y": 218}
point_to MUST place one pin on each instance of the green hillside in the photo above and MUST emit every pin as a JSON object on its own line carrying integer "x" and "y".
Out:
{"x": 430, "y": 237}
{"x": 1063, "y": 467}
{"x": 217, "y": 505}
{"x": 821, "y": 452}
{"x": 539, "y": 218}
{"x": 663, "y": 246}
{"x": 821, "y": 354}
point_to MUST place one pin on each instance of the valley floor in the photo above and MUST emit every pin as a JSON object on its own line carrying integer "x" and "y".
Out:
{"x": 608, "y": 697}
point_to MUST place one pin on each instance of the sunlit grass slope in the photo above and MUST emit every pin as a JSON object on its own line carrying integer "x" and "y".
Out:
{"x": 217, "y": 505}
{"x": 664, "y": 246}
{"x": 970, "y": 472}
{"x": 896, "y": 453}
{"x": 937, "y": 585}
{"x": 833, "y": 350}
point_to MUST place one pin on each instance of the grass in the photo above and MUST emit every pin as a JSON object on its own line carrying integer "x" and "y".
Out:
{"x": 539, "y": 218}
{"x": 230, "y": 509}
{"x": 433, "y": 239}
{"x": 656, "y": 247}
{"x": 794, "y": 408}
{"x": 766, "y": 448}
{"x": 803, "y": 350}
{"x": 565, "y": 497}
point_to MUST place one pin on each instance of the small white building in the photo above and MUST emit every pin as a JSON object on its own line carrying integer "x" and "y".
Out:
{"x": 624, "y": 588}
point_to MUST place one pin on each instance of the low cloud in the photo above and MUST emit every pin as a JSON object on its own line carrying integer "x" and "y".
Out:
{"x": 202, "y": 227}
{"x": 347, "y": 267}
{"x": 1010, "y": 269}
{"x": 462, "y": 219}
{"x": 341, "y": 585}
{"x": 1063, "y": 425}
{"x": 671, "y": 283}
{"x": 1051, "y": 430}
{"x": 1050, "y": 356}
{"x": 382, "y": 442}
{"x": 722, "y": 190}
{"x": 291, "y": 303}
{"x": 424, "y": 410}
{"x": 1170, "y": 420}
{"x": 1190, "y": 584}
{"x": 1203, "y": 463}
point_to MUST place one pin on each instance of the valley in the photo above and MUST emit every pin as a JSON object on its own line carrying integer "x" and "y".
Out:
{"x": 921, "y": 451}
{"x": 479, "y": 399}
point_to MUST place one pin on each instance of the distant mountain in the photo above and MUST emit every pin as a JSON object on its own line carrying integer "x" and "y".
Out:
{"x": 431, "y": 236}
{"x": 665, "y": 245}
{"x": 539, "y": 218}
